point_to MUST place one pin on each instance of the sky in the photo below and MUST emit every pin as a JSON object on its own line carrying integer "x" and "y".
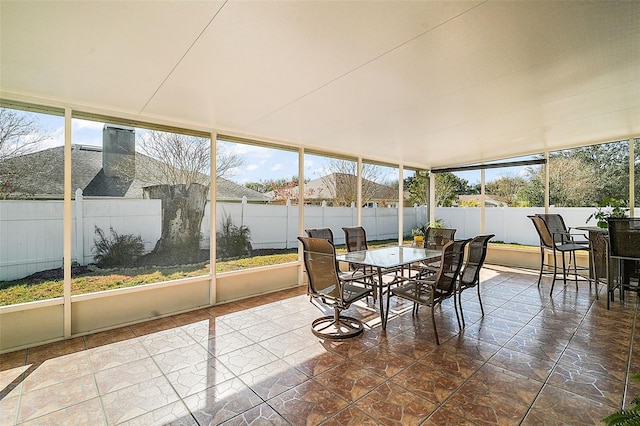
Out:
{"x": 258, "y": 163}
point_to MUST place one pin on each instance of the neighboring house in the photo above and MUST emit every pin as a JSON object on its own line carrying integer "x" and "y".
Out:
{"x": 230, "y": 191}
{"x": 489, "y": 200}
{"x": 40, "y": 175}
{"x": 340, "y": 189}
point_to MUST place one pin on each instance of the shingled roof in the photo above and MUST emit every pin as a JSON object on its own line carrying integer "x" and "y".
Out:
{"x": 44, "y": 176}
{"x": 326, "y": 188}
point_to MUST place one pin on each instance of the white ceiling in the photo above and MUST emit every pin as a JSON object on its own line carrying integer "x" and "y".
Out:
{"x": 422, "y": 83}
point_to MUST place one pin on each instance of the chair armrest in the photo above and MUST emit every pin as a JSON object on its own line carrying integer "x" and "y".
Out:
{"x": 581, "y": 234}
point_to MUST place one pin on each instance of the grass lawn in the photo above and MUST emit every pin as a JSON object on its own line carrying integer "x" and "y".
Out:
{"x": 33, "y": 289}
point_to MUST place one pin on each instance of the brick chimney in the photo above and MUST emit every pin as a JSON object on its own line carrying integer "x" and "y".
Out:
{"x": 119, "y": 151}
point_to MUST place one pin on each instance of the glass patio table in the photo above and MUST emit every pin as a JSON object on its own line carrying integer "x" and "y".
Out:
{"x": 386, "y": 260}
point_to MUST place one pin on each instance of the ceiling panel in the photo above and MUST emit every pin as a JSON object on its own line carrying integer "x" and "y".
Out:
{"x": 111, "y": 55}
{"x": 259, "y": 57}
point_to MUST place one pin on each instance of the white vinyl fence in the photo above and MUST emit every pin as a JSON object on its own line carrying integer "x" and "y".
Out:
{"x": 509, "y": 224}
{"x": 31, "y": 232}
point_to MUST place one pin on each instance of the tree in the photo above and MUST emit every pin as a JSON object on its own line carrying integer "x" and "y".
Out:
{"x": 182, "y": 159}
{"x": 448, "y": 187}
{"x": 418, "y": 188}
{"x": 341, "y": 181}
{"x": 470, "y": 203}
{"x": 180, "y": 179}
{"x": 532, "y": 193}
{"x": 507, "y": 187}
{"x": 571, "y": 183}
{"x": 609, "y": 165}
{"x": 20, "y": 134}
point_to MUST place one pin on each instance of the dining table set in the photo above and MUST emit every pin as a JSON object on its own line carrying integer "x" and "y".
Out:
{"x": 394, "y": 263}
{"x": 423, "y": 274}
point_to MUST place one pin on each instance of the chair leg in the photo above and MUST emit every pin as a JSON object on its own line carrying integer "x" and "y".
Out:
{"x": 433, "y": 320}
{"x": 555, "y": 270}
{"x": 541, "y": 265}
{"x": 480, "y": 300}
{"x": 336, "y": 327}
{"x": 455, "y": 306}
{"x": 461, "y": 311}
{"x": 575, "y": 269}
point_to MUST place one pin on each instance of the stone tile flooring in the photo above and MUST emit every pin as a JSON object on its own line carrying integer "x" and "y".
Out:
{"x": 530, "y": 360}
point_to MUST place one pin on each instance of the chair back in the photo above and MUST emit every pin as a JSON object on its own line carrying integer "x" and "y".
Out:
{"x": 476, "y": 254}
{"x": 436, "y": 238}
{"x": 450, "y": 264}
{"x": 320, "y": 265}
{"x": 624, "y": 237}
{"x": 543, "y": 231}
{"x": 556, "y": 226}
{"x": 325, "y": 233}
{"x": 355, "y": 238}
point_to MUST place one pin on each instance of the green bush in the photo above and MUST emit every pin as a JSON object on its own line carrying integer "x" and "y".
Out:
{"x": 232, "y": 240}
{"x": 116, "y": 250}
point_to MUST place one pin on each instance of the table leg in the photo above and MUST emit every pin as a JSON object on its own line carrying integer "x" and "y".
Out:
{"x": 383, "y": 318}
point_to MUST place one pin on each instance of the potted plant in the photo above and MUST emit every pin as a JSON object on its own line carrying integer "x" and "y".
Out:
{"x": 609, "y": 207}
{"x": 418, "y": 236}
{"x": 438, "y": 223}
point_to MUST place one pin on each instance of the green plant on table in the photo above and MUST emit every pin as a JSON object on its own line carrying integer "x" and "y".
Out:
{"x": 609, "y": 208}
{"x": 438, "y": 223}
{"x": 417, "y": 232}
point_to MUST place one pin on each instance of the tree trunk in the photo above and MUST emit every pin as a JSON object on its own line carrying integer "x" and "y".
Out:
{"x": 182, "y": 213}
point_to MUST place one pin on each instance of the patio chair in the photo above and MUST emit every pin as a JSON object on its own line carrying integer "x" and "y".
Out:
{"x": 354, "y": 275}
{"x": 599, "y": 246}
{"x": 435, "y": 239}
{"x": 326, "y": 287}
{"x": 325, "y": 233}
{"x": 624, "y": 249}
{"x": 433, "y": 290}
{"x": 470, "y": 275}
{"x": 561, "y": 233}
{"x": 356, "y": 240}
{"x": 548, "y": 243}
{"x": 355, "y": 237}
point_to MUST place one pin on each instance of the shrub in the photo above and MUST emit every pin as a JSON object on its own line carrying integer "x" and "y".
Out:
{"x": 116, "y": 250}
{"x": 232, "y": 240}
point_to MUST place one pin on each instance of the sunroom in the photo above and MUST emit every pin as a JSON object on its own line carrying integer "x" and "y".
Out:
{"x": 291, "y": 115}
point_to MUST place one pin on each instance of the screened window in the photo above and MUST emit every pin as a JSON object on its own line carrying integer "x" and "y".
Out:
{"x": 257, "y": 197}
{"x": 141, "y": 205}
{"x": 31, "y": 205}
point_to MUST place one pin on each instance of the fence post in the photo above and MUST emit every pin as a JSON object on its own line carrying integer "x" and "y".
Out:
{"x": 286, "y": 224}
{"x": 324, "y": 210}
{"x": 244, "y": 204}
{"x": 376, "y": 218}
{"x": 79, "y": 228}
{"x": 353, "y": 208}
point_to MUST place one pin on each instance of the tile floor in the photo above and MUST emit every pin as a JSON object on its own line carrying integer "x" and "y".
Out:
{"x": 531, "y": 360}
